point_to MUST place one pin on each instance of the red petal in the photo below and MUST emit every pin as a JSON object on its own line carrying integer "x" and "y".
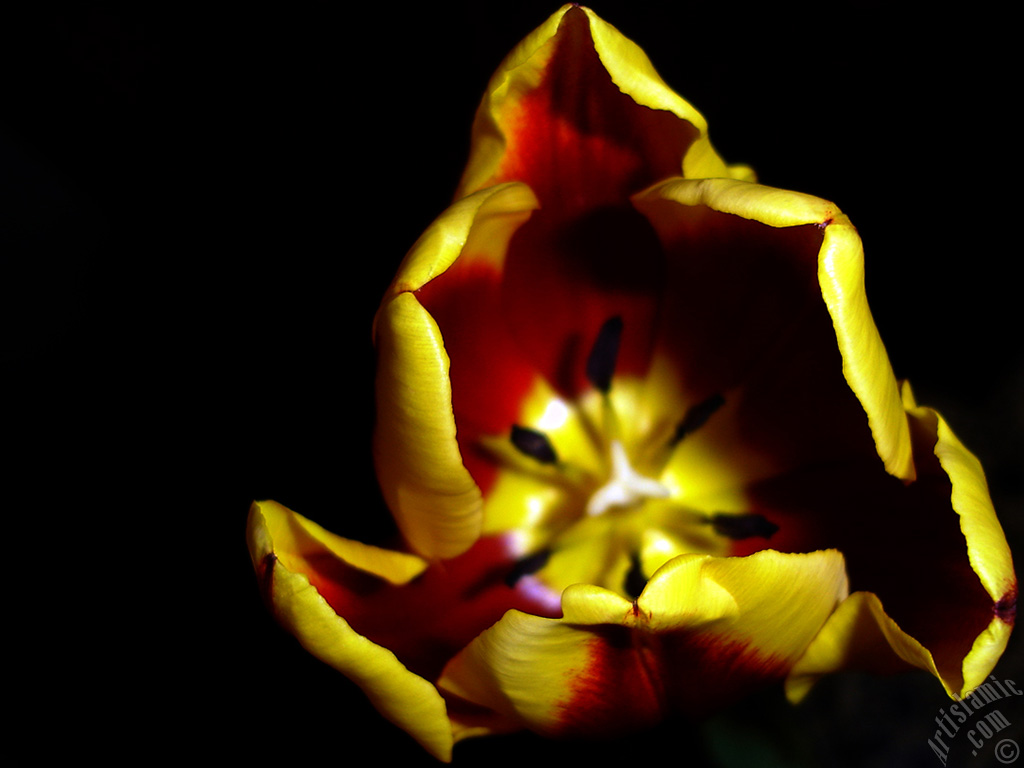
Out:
{"x": 426, "y": 622}
{"x": 580, "y": 142}
{"x": 901, "y": 542}
{"x": 488, "y": 372}
{"x": 636, "y": 678}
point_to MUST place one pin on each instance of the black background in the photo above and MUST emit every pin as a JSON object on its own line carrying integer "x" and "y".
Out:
{"x": 201, "y": 210}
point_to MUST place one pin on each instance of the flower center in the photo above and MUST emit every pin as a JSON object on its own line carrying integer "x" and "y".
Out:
{"x": 601, "y": 489}
{"x": 626, "y": 487}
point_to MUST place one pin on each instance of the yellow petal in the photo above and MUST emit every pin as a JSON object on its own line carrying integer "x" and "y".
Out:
{"x": 704, "y": 629}
{"x": 281, "y": 541}
{"x": 298, "y": 540}
{"x": 986, "y": 542}
{"x": 840, "y": 268}
{"x": 432, "y": 495}
{"x": 862, "y": 635}
{"x": 865, "y": 362}
{"x": 782, "y": 599}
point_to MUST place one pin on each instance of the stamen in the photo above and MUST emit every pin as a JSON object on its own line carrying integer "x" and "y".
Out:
{"x": 527, "y": 565}
{"x": 626, "y": 487}
{"x": 696, "y": 416}
{"x": 604, "y": 353}
{"x": 534, "y": 444}
{"x": 635, "y": 579}
{"x": 738, "y": 527}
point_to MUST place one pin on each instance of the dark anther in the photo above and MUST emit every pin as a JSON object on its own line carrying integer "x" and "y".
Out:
{"x": 602, "y": 357}
{"x": 743, "y": 526}
{"x": 635, "y": 579}
{"x": 534, "y": 444}
{"x": 526, "y": 566}
{"x": 696, "y": 416}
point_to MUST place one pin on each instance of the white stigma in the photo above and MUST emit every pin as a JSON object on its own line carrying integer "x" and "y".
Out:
{"x": 626, "y": 487}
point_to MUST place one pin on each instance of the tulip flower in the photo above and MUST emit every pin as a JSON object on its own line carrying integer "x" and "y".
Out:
{"x": 641, "y": 439}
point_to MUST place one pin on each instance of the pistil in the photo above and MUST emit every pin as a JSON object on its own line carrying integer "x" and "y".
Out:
{"x": 626, "y": 487}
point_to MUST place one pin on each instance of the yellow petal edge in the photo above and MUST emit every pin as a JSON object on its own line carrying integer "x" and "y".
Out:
{"x": 866, "y": 365}
{"x": 434, "y": 500}
{"x": 629, "y": 68}
{"x": 277, "y": 539}
{"x": 861, "y": 635}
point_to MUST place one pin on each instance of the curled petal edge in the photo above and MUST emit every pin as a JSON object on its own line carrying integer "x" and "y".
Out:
{"x": 861, "y": 635}
{"x": 866, "y": 365}
{"x": 987, "y": 547}
{"x": 406, "y": 699}
{"x": 632, "y": 71}
{"x": 629, "y": 68}
{"x": 433, "y": 497}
